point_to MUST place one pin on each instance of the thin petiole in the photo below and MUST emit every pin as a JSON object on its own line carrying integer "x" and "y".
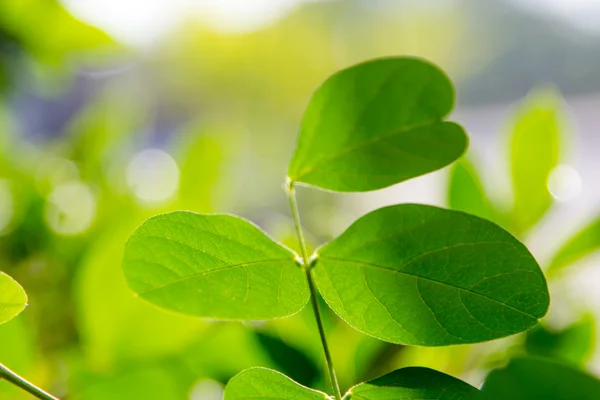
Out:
{"x": 306, "y": 264}
{"x": 16, "y": 380}
{"x": 291, "y": 193}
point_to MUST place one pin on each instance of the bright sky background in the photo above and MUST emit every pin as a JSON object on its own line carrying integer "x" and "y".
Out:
{"x": 141, "y": 22}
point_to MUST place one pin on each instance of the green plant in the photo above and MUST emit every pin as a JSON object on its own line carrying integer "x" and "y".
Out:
{"x": 410, "y": 274}
{"x": 554, "y": 367}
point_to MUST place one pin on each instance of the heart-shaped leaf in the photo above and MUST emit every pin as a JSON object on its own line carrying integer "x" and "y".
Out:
{"x": 266, "y": 384}
{"x": 539, "y": 379}
{"x": 217, "y": 266}
{"x": 423, "y": 275}
{"x": 376, "y": 124}
{"x": 12, "y": 298}
{"x": 413, "y": 383}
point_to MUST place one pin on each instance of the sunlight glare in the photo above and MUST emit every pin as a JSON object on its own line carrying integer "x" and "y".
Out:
{"x": 564, "y": 183}
{"x": 141, "y": 23}
{"x": 133, "y": 22}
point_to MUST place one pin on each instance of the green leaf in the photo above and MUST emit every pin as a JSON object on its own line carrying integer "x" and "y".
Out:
{"x": 12, "y": 298}
{"x": 574, "y": 344}
{"x": 423, "y": 275}
{"x": 376, "y": 124}
{"x": 466, "y": 192}
{"x": 535, "y": 150}
{"x": 266, "y": 384}
{"x": 218, "y": 266}
{"x": 288, "y": 359}
{"x": 584, "y": 243}
{"x": 413, "y": 383}
{"x": 224, "y": 351}
{"x": 202, "y": 165}
{"x": 538, "y": 379}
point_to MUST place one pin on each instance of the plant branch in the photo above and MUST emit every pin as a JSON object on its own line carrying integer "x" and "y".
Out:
{"x": 16, "y": 380}
{"x": 306, "y": 265}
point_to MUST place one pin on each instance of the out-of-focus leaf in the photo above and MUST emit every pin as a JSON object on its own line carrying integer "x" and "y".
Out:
{"x": 466, "y": 192}
{"x": 201, "y": 166}
{"x": 536, "y": 146}
{"x": 266, "y": 384}
{"x": 17, "y": 351}
{"x": 373, "y": 357}
{"x": 13, "y": 299}
{"x": 539, "y": 379}
{"x": 98, "y": 132}
{"x": 574, "y": 344}
{"x": 133, "y": 383}
{"x": 288, "y": 359}
{"x": 413, "y": 383}
{"x": 422, "y": 275}
{"x": 114, "y": 325}
{"x": 217, "y": 266}
{"x": 70, "y": 36}
{"x": 376, "y": 124}
{"x": 584, "y": 243}
{"x": 225, "y": 349}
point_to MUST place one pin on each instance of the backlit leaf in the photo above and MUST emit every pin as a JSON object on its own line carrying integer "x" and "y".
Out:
{"x": 423, "y": 275}
{"x": 12, "y": 298}
{"x": 413, "y": 383}
{"x": 218, "y": 266}
{"x": 539, "y": 379}
{"x": 201, "y": 166}
{"x": 535, "y": 150}
{"x": 266, "y": 384}
{"x": 376, "y": 124}
{"x": 466, "y": 192}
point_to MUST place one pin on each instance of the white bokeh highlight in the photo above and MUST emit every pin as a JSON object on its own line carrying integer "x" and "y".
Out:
{"x": 207, "y": 389}
{"x": 153, "y": 176}
{"x": 564, "y": 183}
{"x": 71, "y": 208}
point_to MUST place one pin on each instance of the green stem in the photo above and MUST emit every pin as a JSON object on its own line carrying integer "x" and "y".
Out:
{"x": 16, "y": 380}
{"x": 306, "y": 265}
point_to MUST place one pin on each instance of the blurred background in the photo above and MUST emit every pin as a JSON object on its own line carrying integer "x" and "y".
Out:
{"x": 112, "y": 111}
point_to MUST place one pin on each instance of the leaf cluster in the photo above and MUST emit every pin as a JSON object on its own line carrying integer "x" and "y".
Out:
{"x": 410, "y": 274}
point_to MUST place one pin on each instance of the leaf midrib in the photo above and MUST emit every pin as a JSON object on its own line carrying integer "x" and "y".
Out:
{"x": 199, "y": 274}
{"x": 373, "y": 140}
{"x": 429, "y": 280}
